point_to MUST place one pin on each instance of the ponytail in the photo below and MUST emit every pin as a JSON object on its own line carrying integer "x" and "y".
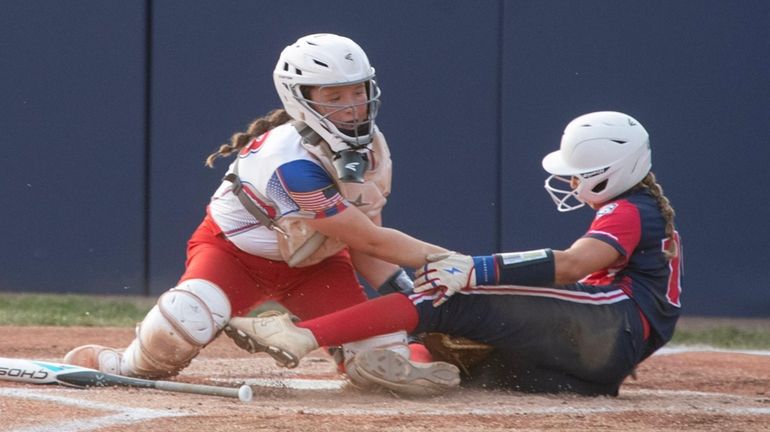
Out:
{"x": 239, "y": 140}
{"x": 666, "y": 210}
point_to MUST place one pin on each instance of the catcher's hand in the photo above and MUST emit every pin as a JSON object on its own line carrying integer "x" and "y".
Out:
{"x": 444, "y": 275}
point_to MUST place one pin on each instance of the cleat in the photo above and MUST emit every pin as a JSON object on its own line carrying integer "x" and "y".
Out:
{"x": 397, "y": 373}
{"x": 97, "y": 357}
{"x": 274, "y": 334}
{"x": 356, "y": 379}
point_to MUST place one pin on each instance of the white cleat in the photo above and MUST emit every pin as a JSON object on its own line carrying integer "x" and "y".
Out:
{"x": 393, "y": 371}
{"x": 275, "y": 335}
{"x": 356, "y": 379}
{"x": 97, "y": 357}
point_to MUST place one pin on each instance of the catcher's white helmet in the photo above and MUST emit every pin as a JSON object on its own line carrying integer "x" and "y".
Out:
{"x": 608, "y": 152}
{"x": 327, "y": 60}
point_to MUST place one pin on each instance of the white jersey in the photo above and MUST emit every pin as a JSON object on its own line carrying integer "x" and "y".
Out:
{"x": 290, "y": 183}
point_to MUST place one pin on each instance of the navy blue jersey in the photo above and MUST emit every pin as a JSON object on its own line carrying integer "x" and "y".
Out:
{"x": 634, "y": 226}
{"x": 584, "y": 337}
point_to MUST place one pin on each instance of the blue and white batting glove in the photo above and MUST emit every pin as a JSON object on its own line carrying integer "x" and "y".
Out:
{"x": 444, "y": 275}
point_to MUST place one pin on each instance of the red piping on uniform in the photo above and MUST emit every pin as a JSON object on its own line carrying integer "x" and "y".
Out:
{"x": 598, "y": 298}
{"x": 265, "y": 207}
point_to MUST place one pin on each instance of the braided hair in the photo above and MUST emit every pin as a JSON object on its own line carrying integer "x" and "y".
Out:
{"x": 666, "y": 210}
{"x": 239, "y": 140}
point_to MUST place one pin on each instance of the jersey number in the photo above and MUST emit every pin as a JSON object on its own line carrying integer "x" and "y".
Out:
{"x": 254, "y": 145}
{"x": 674, "y": 267}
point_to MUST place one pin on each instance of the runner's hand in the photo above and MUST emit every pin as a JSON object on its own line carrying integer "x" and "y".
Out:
{"x": 444, "y": 275}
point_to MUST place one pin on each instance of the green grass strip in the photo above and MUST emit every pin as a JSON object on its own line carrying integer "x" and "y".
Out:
{"x": 72, "y": 310}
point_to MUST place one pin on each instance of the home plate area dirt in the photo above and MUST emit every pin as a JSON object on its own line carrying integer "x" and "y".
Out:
{"x": 674, "y": 391}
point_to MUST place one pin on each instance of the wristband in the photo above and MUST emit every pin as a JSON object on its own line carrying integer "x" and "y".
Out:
{"x": 398, "y": 282}
{"x": 530, "y": 268}
{"x": 486, "y": 270}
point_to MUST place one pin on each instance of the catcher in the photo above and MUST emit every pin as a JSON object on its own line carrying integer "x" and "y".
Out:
{"x": 297, "y": 218}
{"x": 577, "y": 320}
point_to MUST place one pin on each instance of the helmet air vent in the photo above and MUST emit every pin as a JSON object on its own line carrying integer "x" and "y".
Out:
{"x": 286, "y": 66}
{"x": 297, "y": 71}
{"x": 600, "y": 187}
{"x": 619, "y": 141}
{"x": 320, "y": 63}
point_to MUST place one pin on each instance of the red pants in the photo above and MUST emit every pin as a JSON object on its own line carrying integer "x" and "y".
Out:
{"x": 249, "y": 280}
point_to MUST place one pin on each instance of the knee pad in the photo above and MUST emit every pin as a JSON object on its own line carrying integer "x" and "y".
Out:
{"x": 185, "y": 319}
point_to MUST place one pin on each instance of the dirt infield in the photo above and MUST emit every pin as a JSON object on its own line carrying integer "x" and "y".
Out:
{"x": 676, "y": 391}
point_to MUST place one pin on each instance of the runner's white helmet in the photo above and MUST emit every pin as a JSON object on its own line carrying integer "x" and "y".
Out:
{"x": 608, "y": 152}
{"x": 327, "y": 60}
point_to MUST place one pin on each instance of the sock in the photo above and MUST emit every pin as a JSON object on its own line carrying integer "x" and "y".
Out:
{"x": 381, "y": 315}
{"x": 419, "y": 354}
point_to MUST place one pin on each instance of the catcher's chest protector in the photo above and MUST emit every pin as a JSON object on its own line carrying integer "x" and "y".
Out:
{"x": 369, "y": 196}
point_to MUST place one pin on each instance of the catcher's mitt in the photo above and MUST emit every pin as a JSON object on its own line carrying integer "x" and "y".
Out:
{"x": 459, "y": 351}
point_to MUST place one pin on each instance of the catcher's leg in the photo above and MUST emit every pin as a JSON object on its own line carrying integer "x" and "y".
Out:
{"x": 273, "y": 333}
{"x": 185, "y": 319}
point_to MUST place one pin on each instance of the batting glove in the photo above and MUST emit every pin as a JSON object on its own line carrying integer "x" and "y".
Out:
{"x": 444, "y": 275}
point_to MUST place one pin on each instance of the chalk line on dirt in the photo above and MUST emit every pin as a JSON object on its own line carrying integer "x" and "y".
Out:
{"x": 294, "y": 383}
{"x": 705, "y": 348}
{"x": 122, "y": 415}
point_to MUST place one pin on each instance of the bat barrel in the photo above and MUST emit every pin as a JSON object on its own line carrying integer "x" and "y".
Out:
{"x": 243, "y": 393}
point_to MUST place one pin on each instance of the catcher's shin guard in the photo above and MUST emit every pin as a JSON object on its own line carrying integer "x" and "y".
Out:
{"x": 184, "y": 320}
{"x": 405, "y": 377}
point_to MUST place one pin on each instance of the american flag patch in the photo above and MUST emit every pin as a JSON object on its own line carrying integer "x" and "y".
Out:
{"x": 318, "y": 200}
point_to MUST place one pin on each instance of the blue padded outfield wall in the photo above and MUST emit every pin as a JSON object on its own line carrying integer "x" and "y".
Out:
{"x": 109, "y": 108}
